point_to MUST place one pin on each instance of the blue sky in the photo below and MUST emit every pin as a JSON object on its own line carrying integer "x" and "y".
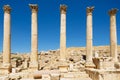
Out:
{"x": 49, "y": 23}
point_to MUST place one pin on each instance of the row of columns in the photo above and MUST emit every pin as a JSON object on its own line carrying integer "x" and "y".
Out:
{"x": 89, "y": 39}
{"x": 63, "y": 54}
{"x": 7, "y": 39}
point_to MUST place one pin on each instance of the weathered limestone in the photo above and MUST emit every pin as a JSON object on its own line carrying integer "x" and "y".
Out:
{"x": 63, "y": 68}
{"x": 55, "y": 76}
{"x": 6, "y": 67}
{"x": 4, "y": 78}
{"x": 34, "y": 38}
{"x": 74, "y": 76}
{"x": 89, "y": 53}
{"x": 113, "y": 34}
{"x": 96, "y": 74}
{"x": 106, "y": 63}
{"x": 26, "y": 64}
{"x": 46, "y": 77}
{"x": 63, "y": 54}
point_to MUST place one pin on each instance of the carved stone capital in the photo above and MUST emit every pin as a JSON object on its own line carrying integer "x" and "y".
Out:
{"x": 7, "y": 8}
{"x": 34, "y": 7}
{"x": 89, "y": 10}
{"x": 113, "y": 11}
{"x": 63, "y": 9}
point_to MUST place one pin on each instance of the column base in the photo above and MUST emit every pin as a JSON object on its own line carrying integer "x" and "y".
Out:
{"x": 34, "y": 66}
{"x": 6, "y": 68}
{"x": 63, "y": 66}
{"x": 89, "y": 64}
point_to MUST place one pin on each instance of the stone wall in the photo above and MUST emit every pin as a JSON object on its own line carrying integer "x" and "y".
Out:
{"x": 96, "y": 74}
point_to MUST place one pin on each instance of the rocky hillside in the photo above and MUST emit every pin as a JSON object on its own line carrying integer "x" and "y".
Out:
{"x": 50, "y": 60}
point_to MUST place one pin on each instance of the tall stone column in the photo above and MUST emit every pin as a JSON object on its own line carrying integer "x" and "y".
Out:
{"x": 113, "y": 34}
{"x": 63, "y": 9}
{"x": 34, "y": 37}
{"x": 89, "y": 44}
{"x": 7, "y": 40}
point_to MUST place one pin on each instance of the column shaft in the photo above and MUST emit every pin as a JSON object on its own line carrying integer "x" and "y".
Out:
{"x": 113, "y": 34}
{"x": 34, "y": 38}
{"x": 89, "y": 43}
{"x": 7, "y": 41}
{"x": 63, "y": 33}
{"x": 89, "y": 39}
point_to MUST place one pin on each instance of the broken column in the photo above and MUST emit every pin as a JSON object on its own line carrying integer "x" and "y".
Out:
{"x": 89, "y": 44}
{"x": 113, "y": 34}
{"x": 63, "y": 9}
{"x": 34, "y": 37}
{"x": 7, "y": 40}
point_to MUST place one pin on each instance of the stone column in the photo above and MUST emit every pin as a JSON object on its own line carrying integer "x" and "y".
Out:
{"x": 89, "y": 44}
{"x": 34, "y": 37}
{"x": 63, "y": 9}
{"x": 113, "y": 34}
{"x": 7, "y": 40}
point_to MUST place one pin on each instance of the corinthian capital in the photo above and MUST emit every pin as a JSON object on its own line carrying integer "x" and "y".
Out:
{"x": 63, "y": 9}
{"x": 34, "y": 7}
{"x": 7, "y": 8}
{"x": 89, "y": 10}
{"x": 113, "y": 11}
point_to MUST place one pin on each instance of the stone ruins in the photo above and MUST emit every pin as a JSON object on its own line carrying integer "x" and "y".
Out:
{"x": 81, "y": 63}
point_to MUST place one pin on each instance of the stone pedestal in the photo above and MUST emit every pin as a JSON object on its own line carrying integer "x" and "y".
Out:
{"x": 34, "y": 38}
{"x": 89, "y": 44}
{"x": 6, "y": 67}
{"x": 55, "y": 76}
{"x": 63, "y": 53}
{"x": 34, "y": 66}
{"x": 96, "y": 74}
{"x": 63, "y": 68}
{"x": 46, "y": 77}
{"x": 113, "y": 34}
{"x": 104, "y": 63}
